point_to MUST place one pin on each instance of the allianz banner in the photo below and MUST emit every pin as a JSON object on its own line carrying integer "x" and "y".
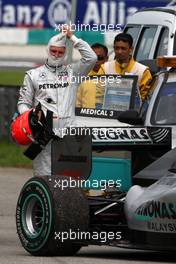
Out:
{"x": 47, "y": 14}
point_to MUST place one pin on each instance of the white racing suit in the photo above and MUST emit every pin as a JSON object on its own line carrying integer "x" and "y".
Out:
{"x": 55, "y": 88}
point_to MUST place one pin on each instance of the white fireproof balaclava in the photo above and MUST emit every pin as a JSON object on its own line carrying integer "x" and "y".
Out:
{"x": 58, "y": 41}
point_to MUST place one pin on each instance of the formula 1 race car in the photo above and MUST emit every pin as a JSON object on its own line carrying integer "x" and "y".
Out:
{"x": 57, "y": 216}
{"x": 135, "y": 202}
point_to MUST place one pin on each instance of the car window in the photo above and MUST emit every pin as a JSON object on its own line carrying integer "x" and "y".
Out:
{"x": 146, "y": 102}
{"x": 134, "y": 32}
{"x": 165, "y": 106}
{"x": 145, "y": 105}
{"x": 106, "y": 95}
{"x": 162, "y": 46}
{"x": 145, "y": 43}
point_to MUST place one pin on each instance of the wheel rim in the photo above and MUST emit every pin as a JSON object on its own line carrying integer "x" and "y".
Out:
{"x": 33, "y": 216}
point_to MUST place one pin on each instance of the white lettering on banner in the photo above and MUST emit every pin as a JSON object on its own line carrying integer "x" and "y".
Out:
{"x": 38, "y": 11}
{"x": 121, "y": 13}
{"x": 112, "y": 17}
{"x": 110, "y": 12}
{"x": 9, "y": 15}
{"x": 22, "y": 14}
{"x": 104, "y": 12}
{"x": 59, "y": 12}
{"x": 92, "y": 13}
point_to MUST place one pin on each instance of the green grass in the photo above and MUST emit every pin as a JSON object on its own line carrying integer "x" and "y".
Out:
{"x": 11, "y": 155}
{"x": 11, "y": 77}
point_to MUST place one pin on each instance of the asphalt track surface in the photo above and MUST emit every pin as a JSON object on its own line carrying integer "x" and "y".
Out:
{"x": 11, "y": 252}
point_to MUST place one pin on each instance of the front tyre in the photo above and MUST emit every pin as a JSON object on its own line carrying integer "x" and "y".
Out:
{"x": 44, "y": 213}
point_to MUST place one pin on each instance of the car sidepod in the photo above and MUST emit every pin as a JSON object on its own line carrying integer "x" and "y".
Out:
{"x": 151, "y": 214}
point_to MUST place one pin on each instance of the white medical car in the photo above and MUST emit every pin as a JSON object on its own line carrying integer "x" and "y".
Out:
{"x": 153, "y": 31}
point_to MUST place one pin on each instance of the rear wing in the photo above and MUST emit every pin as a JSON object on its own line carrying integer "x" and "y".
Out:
{"x": 73, "y": 152}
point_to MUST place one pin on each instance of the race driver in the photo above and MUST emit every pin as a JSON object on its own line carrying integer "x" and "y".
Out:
{"x": 54, "y": 85}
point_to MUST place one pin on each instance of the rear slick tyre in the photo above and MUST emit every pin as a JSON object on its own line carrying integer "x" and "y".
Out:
{"x": 46, "y": 214}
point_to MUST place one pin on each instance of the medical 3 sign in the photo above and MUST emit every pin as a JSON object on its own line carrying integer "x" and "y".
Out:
{"x": 47, "y": 14}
